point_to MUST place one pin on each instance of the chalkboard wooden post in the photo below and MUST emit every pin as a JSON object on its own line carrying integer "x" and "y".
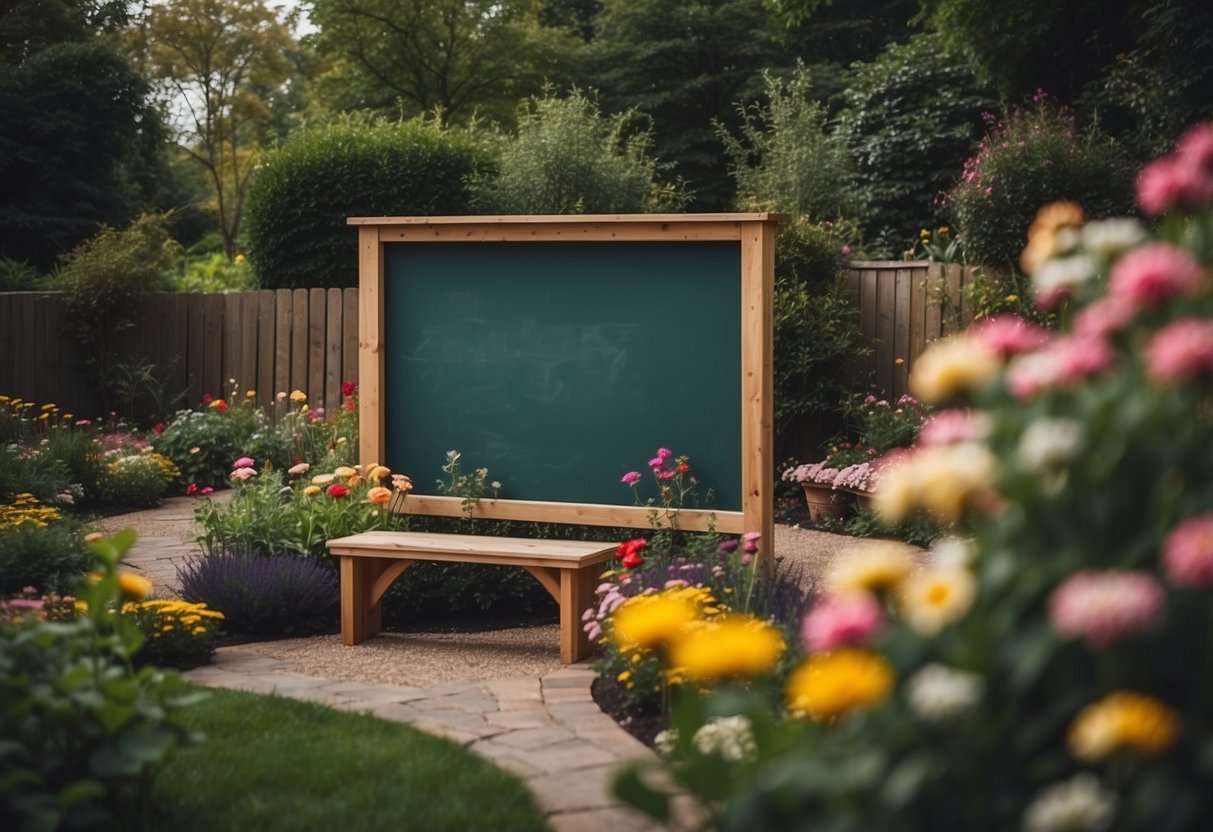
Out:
{"x": 455, "y": 352}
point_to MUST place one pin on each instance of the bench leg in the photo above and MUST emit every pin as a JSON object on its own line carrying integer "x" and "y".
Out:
{"x": 576, "y": 594}
{"x": 360, "y": 617}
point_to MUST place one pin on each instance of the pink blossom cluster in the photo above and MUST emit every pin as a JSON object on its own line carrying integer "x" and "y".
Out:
{"x": 1182, "y": 180}
{"x": 1187, "y": 553}
{"x": 1007, "y": 335}
{"x": 862, "y": 476}
{"x": 1105, "y": 606}
{"x": 812, "y": 472}
{"x": 1181, "y": 350}
{"x": 947, "y": 427}
{"x": 1153, "y": 274}
{"x": 839, "y": 620}
{"x": 609, "y": 599}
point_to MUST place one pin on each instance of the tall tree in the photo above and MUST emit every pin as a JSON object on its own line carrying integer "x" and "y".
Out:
{"x": 452, "y": 58}
{"x": 685, "y": 63}
{"x": 215, "y": 59}
{"x": 77, "y": 129}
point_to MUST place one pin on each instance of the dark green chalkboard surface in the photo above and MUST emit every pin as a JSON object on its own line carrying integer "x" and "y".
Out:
{"x": 562, "y": 366}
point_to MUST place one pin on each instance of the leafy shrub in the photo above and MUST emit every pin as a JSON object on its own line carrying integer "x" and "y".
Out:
{"x": 33, "y": 470}
{"x": 137, "y": 479}
{"x": 214, "y": 273}
{"x": 19, "y": 276}
{"x": 177, "y": 634}
{"x": 1033, "y": 157}
{"x": 82, "y": 730}
{"x": 568, "y": 158}
{"x": 883, "y": 426}
{"x": 103, "y": 279}
{"x": 38, "y": 549}
{"x": 785, "y": 159}
{"x": 910, "y": 118}
{"x": 816, "y": 336}
{"x": 260, "y": 594}
{"x": 303, "y": 192}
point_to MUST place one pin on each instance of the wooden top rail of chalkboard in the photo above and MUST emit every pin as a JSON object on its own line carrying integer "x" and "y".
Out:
{"x": 754, "y": 232}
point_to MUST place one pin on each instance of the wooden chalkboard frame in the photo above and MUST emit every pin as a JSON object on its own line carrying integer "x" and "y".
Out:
{"x": 755, "y": 232}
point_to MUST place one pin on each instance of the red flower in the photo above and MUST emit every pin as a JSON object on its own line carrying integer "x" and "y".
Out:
{"x": 191, "y": 489}
{"x": 632, "y": 560}
{"x": 683, "y": 468}
{"x": 219, "y": 404}
{"x": 348, "y": 405}
{"x": 158, "y": 428}
{"x": 207, "y": 398}
{"x": 337, "y": 491}
{"x": 629, "y": 552}
{"x": 348, "y": 388}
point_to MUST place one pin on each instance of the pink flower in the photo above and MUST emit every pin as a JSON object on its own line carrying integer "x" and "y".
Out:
{"x": 1179, "y": 351}
{"x": 244, "y": 474}
{"x": 1154, "y": 273}
{"x": 630, "y": 478}
{"x": 947, "y": 427}
{"x": 206, "y": 489}
{"x": 1187, "y": 553}
{"x": 664, "y": 453}
{"x": 749, "y": 542}
{"x": 244, "y": 462}
{"x": 656, "y": 462}
{"x": 191, "y": 489}
{"x": 1065, "y": 361}
{"x": 1007, "y": 335}
{"x": 1102, "y": 607}
{"x": 845, "y": 249}
{"x": 1183, "y": 180}
{"x": 1104, "y": 317}
{"x": 838, "y": 620}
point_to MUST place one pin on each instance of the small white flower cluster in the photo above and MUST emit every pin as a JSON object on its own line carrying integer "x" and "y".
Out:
{"x": 937, "y": 693}
{"x": 729, "y": 737}
{"x": 1079, "y": 804}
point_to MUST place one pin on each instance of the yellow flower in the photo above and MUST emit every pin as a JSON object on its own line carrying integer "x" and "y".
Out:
{"x": 379, "y": 496}
{"x": 936, "y": 596}
{"x": 924, "y": 234}
{"x": 1123, "y": 720}
{"x": 830, "y": 685}
{"x": 1011, "y": 298}
{"x": 238, "y": 259}
{"x": 298, "y": 396}
{"x": 50, "y": 406}
{"x": 378, "y": 472}
{"x": 871, "y": 567}
{"x": 311, "y": 491}
{"x": 344, "y": 471}
{"x": 133, "y": 585}
{"x": 654, "y": 620}
{"x": 943, "y": 229}
{"x": 322, "y": 479}
{"x": 624, "y": 676}
{"x": 734, "y": 645}
{"x": 944, "y": 480}
{"x": 250, "y": 394}
{"x": 354, "y": 481}
{"x": 953, "y": 365}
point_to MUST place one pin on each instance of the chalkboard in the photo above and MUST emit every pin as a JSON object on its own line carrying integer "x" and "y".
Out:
{"x": 560, "y": 367}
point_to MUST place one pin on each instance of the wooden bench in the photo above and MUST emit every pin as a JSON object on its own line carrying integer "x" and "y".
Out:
{"x": 371, "y": 561}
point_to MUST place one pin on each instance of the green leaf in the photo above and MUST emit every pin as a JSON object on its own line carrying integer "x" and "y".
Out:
{"x": 632, "y": 790}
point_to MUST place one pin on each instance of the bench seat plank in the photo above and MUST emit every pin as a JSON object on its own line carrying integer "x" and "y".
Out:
{"x": 370, "y": 561}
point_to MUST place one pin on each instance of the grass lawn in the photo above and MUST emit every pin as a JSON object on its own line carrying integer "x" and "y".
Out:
{"x": 270, "y": 763}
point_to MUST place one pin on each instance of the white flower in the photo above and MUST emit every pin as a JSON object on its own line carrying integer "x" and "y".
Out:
{"x": 937, "y": 692}
{"x": 1079, "y": 804}
{"x": 728, "y": 737}
{"x": 949, "y": 552}
{"x": 1064, "y": 273}
{"x": 1112, "y": 237}
{"x": 665, "y": 742}
{"x": 1048, "y": 443}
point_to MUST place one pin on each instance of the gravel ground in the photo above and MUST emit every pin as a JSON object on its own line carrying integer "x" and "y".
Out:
{"x": 425, "y": 659}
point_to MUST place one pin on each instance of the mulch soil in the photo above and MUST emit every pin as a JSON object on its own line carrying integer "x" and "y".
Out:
{"x": 609, "y": 694}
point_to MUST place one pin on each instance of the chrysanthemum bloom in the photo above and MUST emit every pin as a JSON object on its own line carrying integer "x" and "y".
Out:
{"x": 1180, "y": 351}
{"x": 379, "y": 473}
{"x": 298, "y": 396}
{"x": 1123, "y": 720}
{"x": 645, "y": 622}
{"x": 1154, "y": 273}
{"x": 841, "y": 620}
{"x": 344, "y": 471}
{"x": 952, "y": 366}
{"x": 874, "y": 566}
{"x": 1007, "y": 335}
{"x": 1058, "y": 278}
{"x": 244, "y": 474}
{"x": 299, "y": 469}
{"x": 337, "y": 491}
{"x": 935, "y": 597}
{"x": 1183, "y": 180}
{"x": 732, "y": 646}
{"x": 379, "y": 495}
{"x": 896, "y": 492}
{"x": 134, "y": 587}
{"x": 322, "y": 479}
{"x": 1064, "y": 362}
{"x": 728, "y": 737}
{"x": 1103, "y": 317}
{"x": 938, "y": 693}
{"x": 831, "y": 685}
{"x": 1079, "y": 804}
{"x": 951, "y": 478}
{"x": 1187, "y": 553}
{"x": 401, "y": 482}
{"x": 630, "y": 478}
{"x": 244, "y": 462}
{"x": 1046, "y": 234}
{"x": 312, "y": 491}
{"x": 1102, "y": 607}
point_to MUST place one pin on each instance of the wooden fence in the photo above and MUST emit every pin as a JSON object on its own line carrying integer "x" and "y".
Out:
{"x": 903, "y": 306}
{"x": 307, "y": 339}
{"x": 267, "y": 341}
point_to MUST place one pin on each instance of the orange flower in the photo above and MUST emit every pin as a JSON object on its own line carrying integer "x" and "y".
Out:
{"x": 379, "y": 495}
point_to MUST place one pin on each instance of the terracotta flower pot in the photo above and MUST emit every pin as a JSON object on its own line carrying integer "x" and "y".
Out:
{"x": 824, "y": 502}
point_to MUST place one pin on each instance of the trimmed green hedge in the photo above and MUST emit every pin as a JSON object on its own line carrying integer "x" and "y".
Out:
{"x": 301, "y": 196}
